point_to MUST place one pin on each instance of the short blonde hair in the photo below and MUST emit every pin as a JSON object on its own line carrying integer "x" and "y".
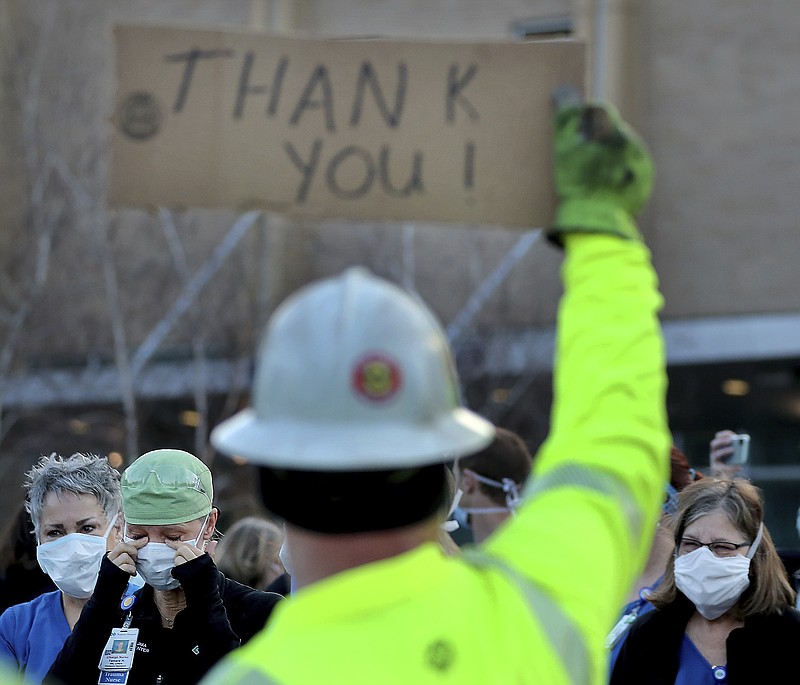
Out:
{"x": 769, "y": 591}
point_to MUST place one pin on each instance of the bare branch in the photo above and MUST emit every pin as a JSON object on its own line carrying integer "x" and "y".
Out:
{"x": 484, "y": 291}
{"x": 121, "y": 358}
{"x": 192, "y": 289}
{"x": 409, "y": 265}
{"x": 198, "y": 344}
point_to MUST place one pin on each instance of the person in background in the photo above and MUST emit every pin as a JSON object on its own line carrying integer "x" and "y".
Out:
{"x": 356, "y": 411}
{"x": 719, "y": 453}
{"x": 21, "y": 577}
{"x": 662, "y": 549}
{"x": 73, "y": 504}
{"x": 450, "y": 528}
{"x": 249, "y": 552}
{"x": 724, "y": 611}
{"x": 188, "y": 615}
{"x": 720, "y": 450}
{"x": 796, "y": 573}
{"x": 283, "y": 583}
{"x": 491, "y": 481}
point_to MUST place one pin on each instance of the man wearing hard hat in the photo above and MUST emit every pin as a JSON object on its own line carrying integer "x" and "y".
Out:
{"x": 355, "y": 410}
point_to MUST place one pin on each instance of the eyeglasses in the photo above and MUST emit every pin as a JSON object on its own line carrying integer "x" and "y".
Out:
{"x": 721, "y": 548}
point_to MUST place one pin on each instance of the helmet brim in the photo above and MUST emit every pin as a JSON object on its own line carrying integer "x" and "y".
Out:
{"x": 338, "y": 446}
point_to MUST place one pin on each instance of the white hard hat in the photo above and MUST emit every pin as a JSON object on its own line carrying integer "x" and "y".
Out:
{"x": 353, "y": 374}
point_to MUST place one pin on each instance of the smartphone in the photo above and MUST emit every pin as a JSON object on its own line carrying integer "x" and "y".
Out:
{"x": 741, "y": 450}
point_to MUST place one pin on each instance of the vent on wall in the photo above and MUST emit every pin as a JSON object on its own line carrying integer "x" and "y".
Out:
{"x": 547, "y": 27}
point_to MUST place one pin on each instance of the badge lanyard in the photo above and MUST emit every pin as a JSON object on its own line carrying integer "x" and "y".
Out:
{"x": 117, "y": 658}
{"x": 625, "y": 622}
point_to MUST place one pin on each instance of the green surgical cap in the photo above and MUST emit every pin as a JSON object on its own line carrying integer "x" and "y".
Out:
{"x": 165, "y": 487}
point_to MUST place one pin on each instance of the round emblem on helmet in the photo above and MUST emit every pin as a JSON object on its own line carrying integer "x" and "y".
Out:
{"x": 377, "y": 377}
{"x": 139, "y": 116}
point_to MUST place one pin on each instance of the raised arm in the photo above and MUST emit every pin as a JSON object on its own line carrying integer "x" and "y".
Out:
{"x": 593, "y": 497}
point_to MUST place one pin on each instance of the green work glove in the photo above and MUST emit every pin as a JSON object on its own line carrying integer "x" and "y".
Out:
{"x": 603, "y": 171}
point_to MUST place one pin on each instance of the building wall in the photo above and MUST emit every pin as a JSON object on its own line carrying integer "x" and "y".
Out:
{"x": 720, "y": 90}
{"x": 92, "y": 301}
{"x": 713, "y": 90}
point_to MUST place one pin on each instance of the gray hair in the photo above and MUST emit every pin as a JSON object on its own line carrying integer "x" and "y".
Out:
{"x": 82, "y": 474}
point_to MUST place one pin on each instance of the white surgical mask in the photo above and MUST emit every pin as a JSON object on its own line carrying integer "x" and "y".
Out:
{"x": 798, "y": 522}
{"x": 286, "y": 556}
{"x": 714, "y": 584}
{"x": 73, "y": 561}
{"x": 155, "y": 562}
{"x": 450, "y": 525}
{"x": 286, "y": 559}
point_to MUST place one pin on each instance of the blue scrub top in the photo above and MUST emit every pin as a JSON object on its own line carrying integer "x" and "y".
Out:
{"x": 693, "y": 668}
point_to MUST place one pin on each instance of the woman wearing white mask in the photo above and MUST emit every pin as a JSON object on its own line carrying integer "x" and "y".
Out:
{"x": 73, "y": 504}
{"x": 724, "y": 611}
{"x": 188, "y": 615}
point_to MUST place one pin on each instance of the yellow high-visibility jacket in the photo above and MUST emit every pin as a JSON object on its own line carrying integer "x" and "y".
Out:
{"x": 535, "y": 602}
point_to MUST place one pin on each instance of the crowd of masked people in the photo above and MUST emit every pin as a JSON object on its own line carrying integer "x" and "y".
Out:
{"x": 418, "y": 543}
{"x": 93, "y": 551}
{"x": 95, "y": 554}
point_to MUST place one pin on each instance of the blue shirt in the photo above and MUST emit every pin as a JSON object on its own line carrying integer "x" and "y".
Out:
{"x": 32, "y": 634}
{"x": 693, "y": 669}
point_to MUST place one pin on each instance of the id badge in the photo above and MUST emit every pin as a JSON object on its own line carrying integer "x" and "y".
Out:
{"x": 117, "y": 659}
{"x": 619, "y": 630}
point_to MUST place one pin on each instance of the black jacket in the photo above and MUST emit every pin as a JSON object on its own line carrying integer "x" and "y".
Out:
{"x": 766, "y": 643}
{"x": 282, "y": 585}
{"x": 220, "y": 615}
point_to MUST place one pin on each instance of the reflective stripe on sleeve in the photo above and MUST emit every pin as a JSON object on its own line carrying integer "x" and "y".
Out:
{"x": 561, "y": 631}
{"x": 574, "y": 475}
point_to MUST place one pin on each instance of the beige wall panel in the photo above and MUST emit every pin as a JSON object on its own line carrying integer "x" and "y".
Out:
{"x": 721, "y": 95}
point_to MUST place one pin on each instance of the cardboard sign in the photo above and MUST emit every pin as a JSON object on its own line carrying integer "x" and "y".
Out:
{"x": 361, "y": 129}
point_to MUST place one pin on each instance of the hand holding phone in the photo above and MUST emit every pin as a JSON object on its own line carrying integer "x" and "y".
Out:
{"x": 728, "y": 453}
{"x": 741, "y": 449}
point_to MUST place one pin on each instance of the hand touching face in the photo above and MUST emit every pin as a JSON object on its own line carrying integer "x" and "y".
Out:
{"x": 125, "y": 552}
